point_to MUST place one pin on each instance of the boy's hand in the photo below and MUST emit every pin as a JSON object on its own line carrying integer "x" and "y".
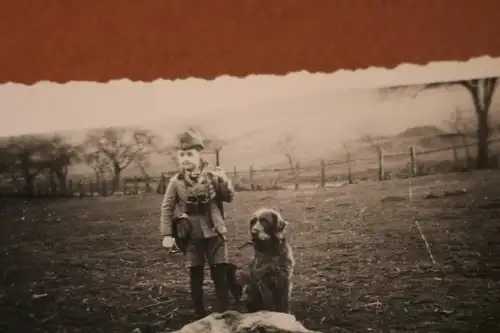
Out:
{"x": 168, "y": 242}
{"x": 221, "y": 173}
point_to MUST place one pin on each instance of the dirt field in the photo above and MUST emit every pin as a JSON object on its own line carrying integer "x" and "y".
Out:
{"x": 96, "y": 265}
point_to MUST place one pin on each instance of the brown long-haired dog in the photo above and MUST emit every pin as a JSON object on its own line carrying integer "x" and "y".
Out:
{"x": 269, "y": 285}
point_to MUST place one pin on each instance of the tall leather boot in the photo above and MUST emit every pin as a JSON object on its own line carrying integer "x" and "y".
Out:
{"x": 219, "y": 276}
{"x": 196, "y": 277}
{"x": 234, "y": 287}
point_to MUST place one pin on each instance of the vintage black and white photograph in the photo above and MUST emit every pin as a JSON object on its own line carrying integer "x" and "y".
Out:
{"x": 356, "y": 201}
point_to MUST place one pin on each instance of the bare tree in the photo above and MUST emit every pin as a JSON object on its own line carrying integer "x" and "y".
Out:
{"x": 122, "y": 147}
{"x": 288, "y": 147}
{"x": 376, "y": 143}
{"x": 7, "y": 163}
{"x": 99, "y": 163}
{"x": 5, "y": 159}
{"x": 481, "y": 92}
{"x": 58, "y": 159}
{"x": 27, "y": 157}
{"x": 143, "y": 163}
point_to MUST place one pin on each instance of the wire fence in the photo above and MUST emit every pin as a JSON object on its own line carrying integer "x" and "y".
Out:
{"x": 326, "y": 173}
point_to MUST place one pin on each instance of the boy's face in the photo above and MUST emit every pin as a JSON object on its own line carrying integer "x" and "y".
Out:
{"x": 189, "y": 159}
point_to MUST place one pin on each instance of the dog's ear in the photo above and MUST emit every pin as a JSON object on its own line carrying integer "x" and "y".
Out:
{"x": 279, "y": 225}
{"x": 251, "y": 221}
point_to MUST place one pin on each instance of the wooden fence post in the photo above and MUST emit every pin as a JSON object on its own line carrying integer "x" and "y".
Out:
{"x": 52, "y": 188}
{"x": 217, "y": 156}
{"x": 136, "y": 187}
{"x": 147, "y": 185}
{"x": 80, "y": 188}
{"x": 381, "y": 171}
{"x": 413, "y": 161}
{"x": 63, "y": 189}
{"x": 349, "y": 167}
{"x": 234, "y": 179}
{"x": 468, "y": 160}
{"x": 104, "y": 188}
{"x": 455, "y": 156}
{"x": 322, "y": 177}
{"x": 97, "y": 187}
{"x": 296, "y": 175}
{"x": 250, "y": 177}
{"x": 43, "y": 189}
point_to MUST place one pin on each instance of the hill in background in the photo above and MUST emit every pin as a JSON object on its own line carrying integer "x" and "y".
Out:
{"x": 253, "y": 131}
{"x": 246, "y": 148}
{"x": 429, "y": 137}
{"x": 421, "y": 131}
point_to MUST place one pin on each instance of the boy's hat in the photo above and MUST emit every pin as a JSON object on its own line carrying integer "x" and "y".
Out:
{"x": 189, "y": 140}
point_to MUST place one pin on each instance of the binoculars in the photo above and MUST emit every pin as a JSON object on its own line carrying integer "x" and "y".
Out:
{"x": 197, "y": 204}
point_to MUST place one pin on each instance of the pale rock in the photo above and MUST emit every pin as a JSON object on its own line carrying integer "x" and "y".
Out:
{"x": 235, "y": 322}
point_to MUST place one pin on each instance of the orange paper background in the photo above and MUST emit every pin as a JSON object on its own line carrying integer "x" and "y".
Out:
{"x": 63, "y": 40}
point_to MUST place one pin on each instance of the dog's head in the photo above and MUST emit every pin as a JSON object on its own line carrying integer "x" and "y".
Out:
{"x": 266, "y": 224}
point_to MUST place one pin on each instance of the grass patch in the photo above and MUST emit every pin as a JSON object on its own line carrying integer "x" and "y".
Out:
{"x": 96, "y": 264}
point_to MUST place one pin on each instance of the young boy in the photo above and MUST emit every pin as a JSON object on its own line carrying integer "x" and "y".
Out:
{"x": 194, "y": 193}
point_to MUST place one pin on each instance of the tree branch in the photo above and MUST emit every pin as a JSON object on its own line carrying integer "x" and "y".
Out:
{"x": 491, "y": 85}
{"x": 120, "y": 146}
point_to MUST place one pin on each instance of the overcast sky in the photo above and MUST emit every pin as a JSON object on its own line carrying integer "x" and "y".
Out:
{"x": 49, "y": 107}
